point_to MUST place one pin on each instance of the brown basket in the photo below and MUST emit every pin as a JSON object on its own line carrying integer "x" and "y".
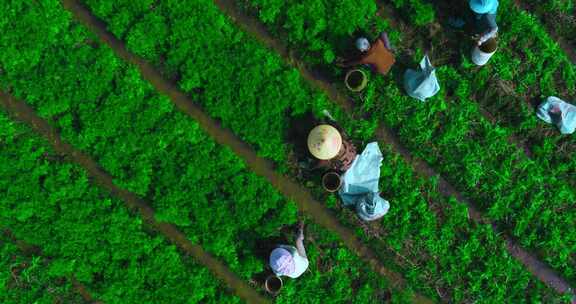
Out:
{"x": 273, "y": 284}
{"x": 331, "y": 181}
{"x": 356, "y": 80}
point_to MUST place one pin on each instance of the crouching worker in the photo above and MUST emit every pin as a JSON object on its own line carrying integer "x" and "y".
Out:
{"x": 377, "y": 55}
{"x": 288, "y": 260}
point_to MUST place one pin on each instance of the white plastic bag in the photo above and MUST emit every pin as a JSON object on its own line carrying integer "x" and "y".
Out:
{"x": 360, "y": 184}
{"x": 372, "y": 207}
{"x": 556, "y": 111}
{"x": 422, "y": 84}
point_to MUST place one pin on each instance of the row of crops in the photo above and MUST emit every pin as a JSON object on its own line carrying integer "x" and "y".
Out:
{"x": 103, "y": 107}
{"x": 529, "y": 67}
{"x": 529, "y": 197}
{"x": 83, "y": 233}
{"x": 25, "y": 277}
{"x": 558, "y": 15}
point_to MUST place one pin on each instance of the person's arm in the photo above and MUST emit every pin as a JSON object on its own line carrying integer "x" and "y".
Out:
{"x": 300, "y": 241}
{"x": 486, "y": 36}
{"x": 493, "y": 28}
{"x": 387, "y": 44}
{"x": 349, "y": 63}
{"x": 346, "y": 63}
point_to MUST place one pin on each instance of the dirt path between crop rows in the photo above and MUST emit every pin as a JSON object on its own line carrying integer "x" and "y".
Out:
{"x": 539, "y": 269}
{"x": 262, "y": 167}
{"x": 22, "y": 112}
{"x": 29, "y": 250}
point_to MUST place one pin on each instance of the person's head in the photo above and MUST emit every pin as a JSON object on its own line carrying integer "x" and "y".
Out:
{"x": 324, "y": 142}
{"x": 362, "y": 44}
{"x": 483, "y": 6}
{"x": 282, "y": 262}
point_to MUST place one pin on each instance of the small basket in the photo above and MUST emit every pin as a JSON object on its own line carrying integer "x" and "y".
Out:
{"x": 331, "y": 181}
{"x": 482, "y": 54}
{"x": 356, "y": 80}
{"x": 273, "y": 284}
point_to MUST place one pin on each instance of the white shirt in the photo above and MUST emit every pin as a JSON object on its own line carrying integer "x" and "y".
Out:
{"x": 301, "y": 263}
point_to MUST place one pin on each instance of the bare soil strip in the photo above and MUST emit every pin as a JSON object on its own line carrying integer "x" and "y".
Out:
{"x": 539, "y": 269}
{"x": 263, "y": 167}
{"x": 30, "y": 250}
{"x": 26, "y": 114}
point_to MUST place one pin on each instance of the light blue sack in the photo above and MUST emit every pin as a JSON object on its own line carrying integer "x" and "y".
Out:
{"x": 360, "y": 185}
{"x": 372, "y": 207}
{"x": 556, "y": 111}
{"x": 422, "y": 84}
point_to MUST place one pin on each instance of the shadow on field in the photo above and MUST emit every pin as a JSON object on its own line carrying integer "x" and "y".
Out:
{"x": 297, "y": 133}
{"x": 263, "y": 247}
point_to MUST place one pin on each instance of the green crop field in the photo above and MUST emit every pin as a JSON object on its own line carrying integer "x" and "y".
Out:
{"x": 150, "y": 153}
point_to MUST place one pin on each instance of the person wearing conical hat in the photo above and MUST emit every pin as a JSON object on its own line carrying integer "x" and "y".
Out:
{"x": 327, "y": 145}
{"x": 288, "y": 260}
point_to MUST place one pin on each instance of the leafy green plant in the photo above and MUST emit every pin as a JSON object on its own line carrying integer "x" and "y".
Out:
{"x": 24, "y": 278}
{"x": 85, "y": 234}
{"x": 558, "y": 15}
{"x": 475, "y": 154}
{"x": 418, "y": 11}
{"x": 102, "y": 106}
{"x": 431, "y": 242}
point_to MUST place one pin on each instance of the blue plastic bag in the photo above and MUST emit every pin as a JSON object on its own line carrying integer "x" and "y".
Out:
{"x": 360, "y": 185}
{"x": 371, "y": 207}
{"x": 556, "y": 111}
{"x": 422, "y": 84}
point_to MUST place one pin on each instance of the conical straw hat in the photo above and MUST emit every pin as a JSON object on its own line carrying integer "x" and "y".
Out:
{"x": 324, "y": 142}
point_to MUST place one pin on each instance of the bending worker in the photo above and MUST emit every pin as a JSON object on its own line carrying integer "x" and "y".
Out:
{"x": 327, "y": 145}
{"x": 485, "y": 15}
{"x": 377, "y": 55}
{"x": 288, "y": 260}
